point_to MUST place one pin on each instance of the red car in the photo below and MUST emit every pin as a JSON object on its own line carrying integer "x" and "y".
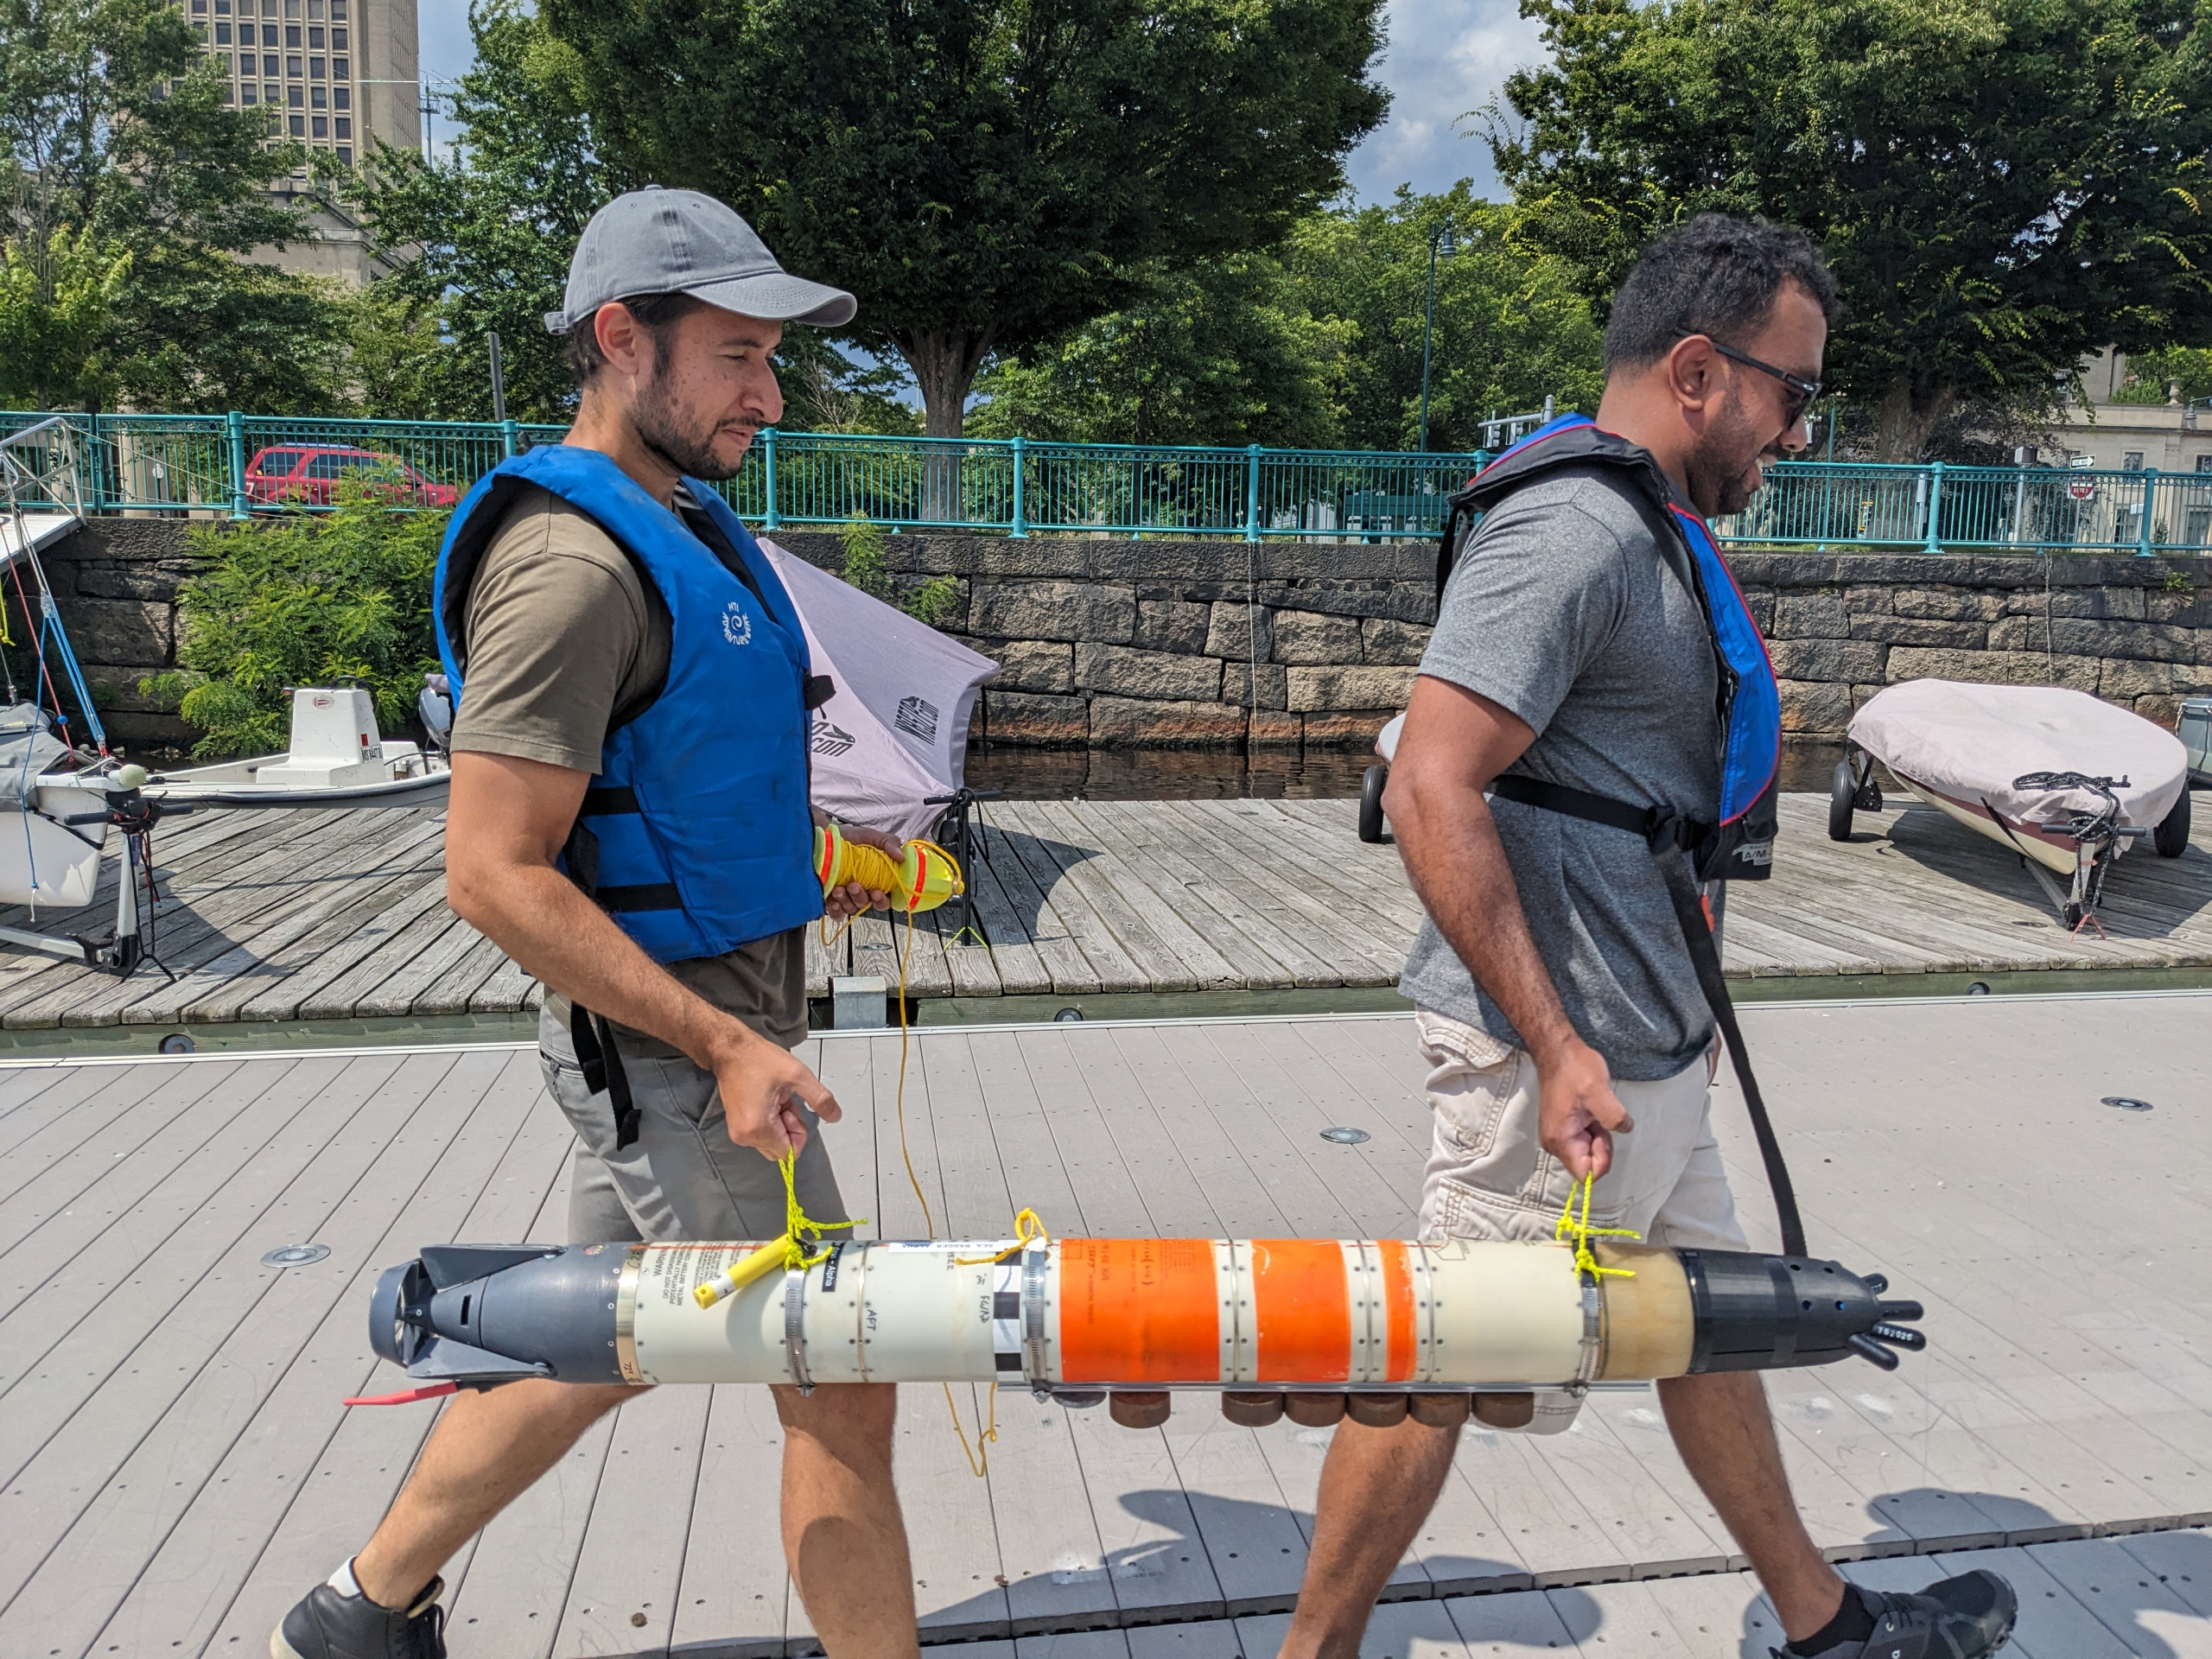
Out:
{"x": 306, "y": 474}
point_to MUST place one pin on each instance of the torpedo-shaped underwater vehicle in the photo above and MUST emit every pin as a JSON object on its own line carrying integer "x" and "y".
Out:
{"x": 1252, "y": 1318}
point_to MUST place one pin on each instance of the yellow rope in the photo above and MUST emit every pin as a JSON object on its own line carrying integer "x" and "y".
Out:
{"x": 1577, "y": 1227}
{"x": 787, "y": 1252}
{"x": 1028, "y": 1228}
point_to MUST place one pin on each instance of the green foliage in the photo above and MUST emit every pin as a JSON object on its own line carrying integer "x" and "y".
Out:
{"x": 114, "y": 133}
{"x": 867, "y": 567}
{"x": 2005, "y": 187}
{"x": 56, "y": 306}
{"x": 986, "y": 176}
{"x": 490, "y": 227}
{"x": 1320, "y": 344}
{"x": 488, "y": 231}
{"x": 2151, "y": 374}
{"x": 305, "y": 598}
{"x": 1511, "y": 328}
{"x": 1222, "y": 354}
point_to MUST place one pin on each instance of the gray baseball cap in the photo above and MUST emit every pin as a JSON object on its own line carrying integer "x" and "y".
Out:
{"x": 657, "y": 241}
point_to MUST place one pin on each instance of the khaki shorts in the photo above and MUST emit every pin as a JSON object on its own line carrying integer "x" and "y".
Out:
{"x": 683, "y": 1180}
{"x": 1488, "y": 1178}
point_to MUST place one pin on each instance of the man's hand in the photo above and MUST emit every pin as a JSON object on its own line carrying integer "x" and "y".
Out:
{"x": 1577, "y": 1112}
{"x": 762, "y": 1088}
{"x": 852, "y": 898}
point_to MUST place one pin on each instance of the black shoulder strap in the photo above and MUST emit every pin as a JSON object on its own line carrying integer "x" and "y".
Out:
{"x": 1669, "y": 837}
{"x": 1697, "y": 934}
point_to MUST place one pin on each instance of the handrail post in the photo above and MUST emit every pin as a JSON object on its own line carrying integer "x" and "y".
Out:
{"x": 2150, "y": 502}
{"x": 1252, "y": 492}
{"x": 768, "y": 520}
{"x": 1021, "y": 511}
{"x": 1934, "y": 542}
{"x": 235, "y": 422}
{"x": 510, "y": 439}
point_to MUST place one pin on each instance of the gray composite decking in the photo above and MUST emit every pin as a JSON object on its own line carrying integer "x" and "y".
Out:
{"x": 340, "y": 916}
{"x": 176, "y": 1466}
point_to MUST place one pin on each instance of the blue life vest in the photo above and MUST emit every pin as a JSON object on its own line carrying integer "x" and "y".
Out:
{"x": 1731, "y": 838}
{"x": 694, "y": 834}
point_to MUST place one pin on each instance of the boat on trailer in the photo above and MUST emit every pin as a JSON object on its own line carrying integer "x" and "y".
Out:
{"x": 2068, "y": 782}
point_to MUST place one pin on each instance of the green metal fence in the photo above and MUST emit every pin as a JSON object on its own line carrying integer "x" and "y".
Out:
{"x": 237, "y": 465}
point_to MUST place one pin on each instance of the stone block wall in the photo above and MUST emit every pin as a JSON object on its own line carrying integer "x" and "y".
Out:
{"x": 1115, "y": 643}
{"x": 1840, "y": 626}
{"x": 1112, "y": 643}
{"x": 116, "y": 582}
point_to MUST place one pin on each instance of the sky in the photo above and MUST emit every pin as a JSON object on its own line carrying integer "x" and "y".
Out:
{"x": 1446, "y": 58}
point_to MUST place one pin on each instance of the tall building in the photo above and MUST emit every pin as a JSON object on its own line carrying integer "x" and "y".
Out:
{"x": 334, "y": 75}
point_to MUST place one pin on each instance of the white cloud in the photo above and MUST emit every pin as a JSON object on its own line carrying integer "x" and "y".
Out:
{"x": 1445, "y": 58}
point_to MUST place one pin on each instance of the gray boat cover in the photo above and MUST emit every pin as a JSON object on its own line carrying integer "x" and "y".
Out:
{"x": 895, "y": 732}
{"x": 1969, "y": 742}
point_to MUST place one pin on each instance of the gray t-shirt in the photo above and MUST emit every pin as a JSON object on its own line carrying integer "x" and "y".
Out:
{"x": 1571, "y": 608}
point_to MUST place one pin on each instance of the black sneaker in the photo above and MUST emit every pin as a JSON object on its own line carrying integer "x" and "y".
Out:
{"x": 1959, "y": 1618}
{"x": 327, "y": 1625}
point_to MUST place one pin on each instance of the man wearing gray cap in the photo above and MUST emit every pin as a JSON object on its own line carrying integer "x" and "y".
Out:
{"x": 629, "y": 821}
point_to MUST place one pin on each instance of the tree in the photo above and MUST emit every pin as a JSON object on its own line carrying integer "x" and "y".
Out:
{"x": 1319, "y": 343}
{"x": 2005, "y": 187}
{"x": 2153, "y": 375}
{"x": 116, "y": 137}
{"x": 1222, "y": 354}
{"x": 56, "y": 306}
{"x": 1511, "y": 328}
{"x": 481, "y": 241}
{"x": 984, "y": 174}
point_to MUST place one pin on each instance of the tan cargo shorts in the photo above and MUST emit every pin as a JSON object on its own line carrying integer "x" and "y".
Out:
{"x": 1488, "y": 1178}
{"x": 683, "y": 1180}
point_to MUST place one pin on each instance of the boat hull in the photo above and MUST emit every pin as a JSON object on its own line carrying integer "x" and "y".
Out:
{"x": 235, "y": 783}
{"x": 2052, "y": 850}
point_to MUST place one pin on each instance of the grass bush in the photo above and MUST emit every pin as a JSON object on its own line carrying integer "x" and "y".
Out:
{"x": 306, "y": 599}
{"x": 867, "y": 567}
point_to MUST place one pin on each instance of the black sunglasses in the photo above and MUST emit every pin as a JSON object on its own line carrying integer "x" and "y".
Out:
{"x": 1806, "y": 389}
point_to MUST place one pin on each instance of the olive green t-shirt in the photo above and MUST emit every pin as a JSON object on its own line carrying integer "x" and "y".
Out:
{"x": 562, "y": 636}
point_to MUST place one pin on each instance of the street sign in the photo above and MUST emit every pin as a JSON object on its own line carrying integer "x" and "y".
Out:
{"x": 2082, "y": 488}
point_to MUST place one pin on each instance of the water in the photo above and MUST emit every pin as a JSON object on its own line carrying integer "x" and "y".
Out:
{"x": 1265, "y": 774}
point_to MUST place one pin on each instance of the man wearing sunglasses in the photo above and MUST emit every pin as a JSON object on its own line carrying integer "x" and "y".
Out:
{"x": 1587, "y": 632}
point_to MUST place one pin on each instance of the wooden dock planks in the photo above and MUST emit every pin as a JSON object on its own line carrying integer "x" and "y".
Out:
{"x": 342, "y": 915}
{"x": 182, "y": 1469}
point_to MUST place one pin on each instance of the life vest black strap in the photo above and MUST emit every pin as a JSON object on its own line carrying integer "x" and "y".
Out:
{"x": 1663, "y": 829}
{"x": 1697, "y": 934}
{"x": 601, "y": 1062}
{"x": 607, "y": 800}
{"x": 1668, "y": 834}
{"x": 645, "y": 895}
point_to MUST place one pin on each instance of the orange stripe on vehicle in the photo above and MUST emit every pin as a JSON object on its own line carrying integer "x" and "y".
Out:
{"x": 1138, "y": 1310}
{"x": 1302, "y": 1306}
{"x": 1398, "y": 1305}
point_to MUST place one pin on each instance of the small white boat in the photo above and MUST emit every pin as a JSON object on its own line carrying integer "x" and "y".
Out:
{"x": 2065, "y": 780}
{"x": 66, "y": 801}
{"x": 337, "y": 759}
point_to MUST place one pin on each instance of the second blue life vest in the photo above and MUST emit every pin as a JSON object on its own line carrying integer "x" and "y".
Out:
{"x": 695, "y": 834}
{"x": 1731, "y": 838}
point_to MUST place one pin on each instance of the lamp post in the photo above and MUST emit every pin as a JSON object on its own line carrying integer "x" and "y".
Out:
{"x": 1441, "y": 246}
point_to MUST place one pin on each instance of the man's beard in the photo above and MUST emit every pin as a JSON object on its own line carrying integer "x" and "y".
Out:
{"x": 1718, "y": 469}
{"x": 661, "y": 427}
